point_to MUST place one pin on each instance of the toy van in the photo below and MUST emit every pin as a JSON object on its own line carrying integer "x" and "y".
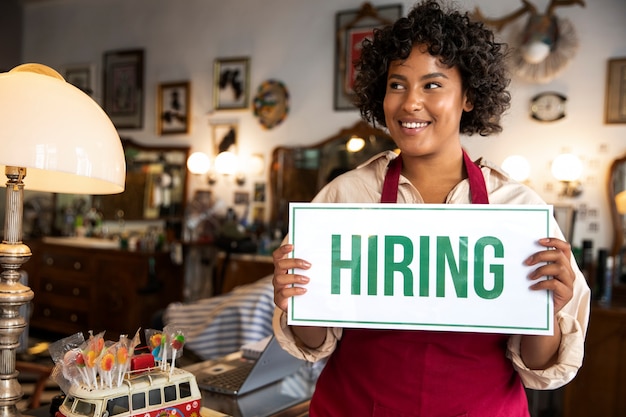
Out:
{"x": 146, "y": 391}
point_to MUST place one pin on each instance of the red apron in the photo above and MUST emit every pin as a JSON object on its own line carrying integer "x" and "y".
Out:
{"x": 408, "y": 373}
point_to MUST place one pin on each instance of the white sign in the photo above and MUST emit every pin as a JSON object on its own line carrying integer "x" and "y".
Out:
{"x": 420, "y": 266}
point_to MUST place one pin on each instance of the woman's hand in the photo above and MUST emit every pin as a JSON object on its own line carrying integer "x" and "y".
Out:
{"x": 557, "y": 259}
{"x": 283, "y": 281}
{"x": 541, "y": 352}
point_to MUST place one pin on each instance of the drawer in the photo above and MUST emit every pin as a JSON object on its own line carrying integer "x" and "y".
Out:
{"x": 67, "y": 262}
{"x": 59, "y": 317}
{"x": 73, "y": 289}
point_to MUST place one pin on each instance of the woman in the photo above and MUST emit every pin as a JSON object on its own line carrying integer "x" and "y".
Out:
{"x": 429, "y": 78}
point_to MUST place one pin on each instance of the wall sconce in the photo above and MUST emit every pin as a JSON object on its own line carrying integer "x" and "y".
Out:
{"x": 199, "y": 163}
{"x": 355, "y": 144}
{"x": 226, "y": 163}
{"x": 257, "y": 164}
{"x": 517, "y": 167}
{"x": 568, "y": 169}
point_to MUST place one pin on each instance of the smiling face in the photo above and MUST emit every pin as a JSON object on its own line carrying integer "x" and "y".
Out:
{"x": 423, "y": 104}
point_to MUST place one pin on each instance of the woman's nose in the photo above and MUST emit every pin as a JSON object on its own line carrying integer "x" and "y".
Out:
{"x": 414, "y": 102}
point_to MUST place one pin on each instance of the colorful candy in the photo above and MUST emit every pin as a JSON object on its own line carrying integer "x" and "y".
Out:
{"x": 99, "y": 364}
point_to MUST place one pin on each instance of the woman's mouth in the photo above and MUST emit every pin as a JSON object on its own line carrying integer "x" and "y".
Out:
{"x": 413, "y": 125}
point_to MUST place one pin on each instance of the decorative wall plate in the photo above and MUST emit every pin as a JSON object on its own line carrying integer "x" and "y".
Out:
{"x": 271, "y": 103}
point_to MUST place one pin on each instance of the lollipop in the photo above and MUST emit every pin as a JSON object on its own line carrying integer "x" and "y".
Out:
{"x": 164, "y": 351}
{"x": 122, "y": 361}
{"x": 106, "y": 366}
{"x": 91, "y": 353}
{"x": 64, "y": 352}
{"x": 82, "y": 368}
{"x": 156, "y": 343}
{"x": 71, "y": 369}
{"x": 177, "y": 343}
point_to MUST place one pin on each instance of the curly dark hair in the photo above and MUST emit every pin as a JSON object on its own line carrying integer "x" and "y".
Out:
{"x": 458, "y": 42}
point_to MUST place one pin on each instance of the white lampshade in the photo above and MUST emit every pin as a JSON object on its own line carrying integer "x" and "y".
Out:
{"x": 58, "y": 133}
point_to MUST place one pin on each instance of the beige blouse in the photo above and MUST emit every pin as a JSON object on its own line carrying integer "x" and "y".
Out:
{"x": 364, "y": 185}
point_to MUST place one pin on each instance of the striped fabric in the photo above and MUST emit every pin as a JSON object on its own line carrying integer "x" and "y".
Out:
{"x": 220, "y": 325}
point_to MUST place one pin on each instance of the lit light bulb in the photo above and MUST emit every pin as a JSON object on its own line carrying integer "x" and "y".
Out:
{"x": 567, "y": 167}
{"x": 198, "y": 163}
{"x": 226, "y": 163}
{"x": 517, "y": 167}
{"x": 355, "y": 144}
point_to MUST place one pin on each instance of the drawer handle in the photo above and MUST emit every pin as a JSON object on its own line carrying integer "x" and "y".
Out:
{"x": 49, "y": 287}
{"x": 76, "y": 291}
{"x": 49, "y": 261}
{"x": 77, "y": 266}
{"x": 47, "y": 312}
{"x": 73, "y": 318}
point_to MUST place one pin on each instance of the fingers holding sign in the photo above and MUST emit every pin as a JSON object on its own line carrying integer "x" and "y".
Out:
{"x": 556, "y": 264}
{"x": 283, "y": 280}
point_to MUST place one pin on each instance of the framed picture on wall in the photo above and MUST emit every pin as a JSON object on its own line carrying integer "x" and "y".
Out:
{"x": 351, "y": 27}
{"x": 616, "y": 91}
{"x": 82, "y": 76}
{"x": 231, "y": 83}
{"x": 224, "y": 136}
{"x": 123, "y": 88}
{"x": 173, "y": 112}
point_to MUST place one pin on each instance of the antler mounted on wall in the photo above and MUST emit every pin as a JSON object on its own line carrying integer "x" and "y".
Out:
{"x": 546, "y": 44}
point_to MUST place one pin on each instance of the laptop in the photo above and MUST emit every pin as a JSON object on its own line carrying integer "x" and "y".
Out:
{"x": 292, "y": 391}
{"x": 242, "y": 375}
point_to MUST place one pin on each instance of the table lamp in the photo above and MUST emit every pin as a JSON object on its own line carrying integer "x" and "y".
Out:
{"x": 53, "y": 137}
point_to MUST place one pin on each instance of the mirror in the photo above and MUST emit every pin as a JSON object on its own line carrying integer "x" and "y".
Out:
{"x": 616, "y": 185}
{"x": 298, "y": 173}
{"x": 156, "y": 184}
{"x": 617, "y": 203}
{"x": 156, "y": 189}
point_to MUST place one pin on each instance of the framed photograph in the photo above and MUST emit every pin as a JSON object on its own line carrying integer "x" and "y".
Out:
{"x": 259, "y": 192}
{"x": 224, "y": 137}
{"x": 258, "y": 213}
{"x": 241, "y": 197}
{"x": 83, "y": 77}
{"x": 173, "y": 108}
{"x": 351, "y": 27}
{"x": 123, "y": 88}
{"x": 616, "y": 91}
{"x": 231, "y": 83}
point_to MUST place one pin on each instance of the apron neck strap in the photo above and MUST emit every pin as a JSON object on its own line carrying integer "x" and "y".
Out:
{"x": 478, "y": 188}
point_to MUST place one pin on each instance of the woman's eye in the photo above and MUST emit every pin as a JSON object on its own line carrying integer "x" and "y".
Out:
{"x": 430, "y": 86}
{"x": 395, "y": 86}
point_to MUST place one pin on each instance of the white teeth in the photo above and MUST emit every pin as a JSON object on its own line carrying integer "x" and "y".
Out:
{"x": 413, "y": 125}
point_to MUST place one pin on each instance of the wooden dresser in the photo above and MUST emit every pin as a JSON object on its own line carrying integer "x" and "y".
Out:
{"x": 80, "y": 289}
{"x": 599, "y": 389}
{"x": 235, "y": 269}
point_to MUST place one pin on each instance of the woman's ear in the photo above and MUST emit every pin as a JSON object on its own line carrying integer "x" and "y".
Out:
{"x": 468, "y": 106}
